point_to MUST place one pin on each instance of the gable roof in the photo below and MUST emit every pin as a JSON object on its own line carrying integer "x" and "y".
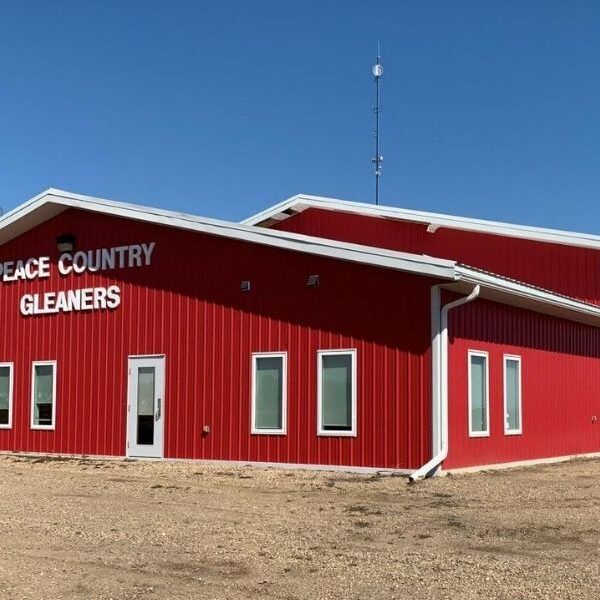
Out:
{"x": 52, "y": 202}
{"x": 455, "y": 276}
{"x": 301, "y": 202}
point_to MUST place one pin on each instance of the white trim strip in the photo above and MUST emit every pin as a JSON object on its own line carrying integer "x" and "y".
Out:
{"x": 211, "y": 462}
{"x": 307, "y": 467}
{"x": 490, "y": 281}
{"x": 403, "y": 261}
{"x": 297, "y": 466}
{"x": 53, "y": 201}
{"x": 522, "y": 463}
{"x": 435, "y": 221}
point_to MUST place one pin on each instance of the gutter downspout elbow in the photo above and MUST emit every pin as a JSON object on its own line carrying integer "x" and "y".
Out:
{"x": 439, "y": 368}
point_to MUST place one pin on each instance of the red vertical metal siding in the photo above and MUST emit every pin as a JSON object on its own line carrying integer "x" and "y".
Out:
{"x": 565, "y": 269}
{"x": 560, "y": 384}
{"x": 188, "y": 305}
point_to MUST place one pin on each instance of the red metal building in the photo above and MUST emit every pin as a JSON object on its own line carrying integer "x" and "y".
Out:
{"x": 316, "y": 333}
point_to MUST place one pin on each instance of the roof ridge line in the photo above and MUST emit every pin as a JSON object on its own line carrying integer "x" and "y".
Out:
{"x": 531, "y": 232}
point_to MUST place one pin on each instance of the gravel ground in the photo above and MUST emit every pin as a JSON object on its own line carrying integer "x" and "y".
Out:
{"x": 158, "y": 530}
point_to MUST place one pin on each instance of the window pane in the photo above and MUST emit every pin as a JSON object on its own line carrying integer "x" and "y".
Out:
{"x": 269, "y": 392}
{"x": 145, "y": 405}
{"x": 43, "y": 394}
{"x": 336, "y": 409}
{"x": 512, "y": 395}
{"x": 478, "y": 394}
{"x": 4, "y": 394}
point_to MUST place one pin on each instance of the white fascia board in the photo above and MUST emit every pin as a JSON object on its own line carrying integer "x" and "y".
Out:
{"x": 276, "y": 211}
{"x": 24, "y": 209}
{"x": 519, "y": 290}
{"x": 554, "y": 236}
{"x": 53, "y": 201}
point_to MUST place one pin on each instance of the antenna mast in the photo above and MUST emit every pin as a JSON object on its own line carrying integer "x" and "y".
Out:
{"x": 377, "y": 73}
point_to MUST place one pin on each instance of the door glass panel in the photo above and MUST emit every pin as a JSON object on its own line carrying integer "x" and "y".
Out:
{"x": 145, "y": 405}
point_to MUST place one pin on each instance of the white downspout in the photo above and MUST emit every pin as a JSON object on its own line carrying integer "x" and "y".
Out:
{"x": 439, "y": 380}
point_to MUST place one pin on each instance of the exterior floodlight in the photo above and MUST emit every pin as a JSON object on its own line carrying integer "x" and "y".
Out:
{"x": 65, "y": 242}
{"x": 313, "y": 281}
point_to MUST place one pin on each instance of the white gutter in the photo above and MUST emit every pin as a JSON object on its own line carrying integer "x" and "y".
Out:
{"x": 518, "y": 289}
{"x": 439, "y": 379}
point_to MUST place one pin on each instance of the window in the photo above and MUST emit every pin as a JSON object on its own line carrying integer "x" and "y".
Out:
{"x": 43, "y": 395}
{"x": 269, "y": 393}
{"x": 6, "y": 395}
{"x": 478, "y": 394}
{"x": 336, "y": 392}
{"x": 512, "y": 395}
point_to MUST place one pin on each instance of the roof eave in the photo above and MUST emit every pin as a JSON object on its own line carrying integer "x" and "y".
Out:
{"x": 53, "y": 201}
{"x": 434, "y": 221}
{"x": 456, "y": 276}
{"x": 520, "y": 295}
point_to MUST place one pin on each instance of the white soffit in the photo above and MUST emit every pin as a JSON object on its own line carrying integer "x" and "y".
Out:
{"x": 52, "y": 202}
{"x": 459, "y": 277}
{"x": 521, "y": 295}
{"x": 433, "y": 221}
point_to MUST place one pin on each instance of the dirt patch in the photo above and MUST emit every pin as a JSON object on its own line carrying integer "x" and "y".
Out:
{"x": 89, "y": 529}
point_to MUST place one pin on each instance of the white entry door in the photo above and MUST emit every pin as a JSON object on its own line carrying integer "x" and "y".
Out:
{"x": 146, "y": 406}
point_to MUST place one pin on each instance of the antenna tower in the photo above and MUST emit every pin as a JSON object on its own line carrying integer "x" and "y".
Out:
{"x": 377, "y": 73}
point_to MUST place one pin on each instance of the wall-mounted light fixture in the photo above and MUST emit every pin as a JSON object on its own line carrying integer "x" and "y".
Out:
{"x": 312, "y": 281}
{"x": 245, "y": 286}
{"x": 65, "y": 242}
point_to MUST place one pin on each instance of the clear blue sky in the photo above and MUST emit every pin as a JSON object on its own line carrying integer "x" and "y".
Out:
{"x": 491, "y": 109}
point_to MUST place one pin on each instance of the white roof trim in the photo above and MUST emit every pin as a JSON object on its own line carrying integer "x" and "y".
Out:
{"x": 459, "y": 277}
{"x": 522, "y": 295}
{"x": 434, "y": 221}
{"x": 53, "y": 201}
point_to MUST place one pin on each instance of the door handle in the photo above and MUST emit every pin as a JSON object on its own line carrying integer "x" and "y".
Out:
{"x": 158, "y": 408}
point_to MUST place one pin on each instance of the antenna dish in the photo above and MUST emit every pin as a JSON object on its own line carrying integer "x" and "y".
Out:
{"x": 377, "y": 70}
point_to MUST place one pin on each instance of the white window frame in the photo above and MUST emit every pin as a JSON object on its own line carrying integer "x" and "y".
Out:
{"x": 508, "y": 431}
{"x": 35, "y": 364}
{"x": 485, "y": 355}
{"x": 10, "y": 395}
{"x": 258, "y": 431}
{"x": 327, "y": 432}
